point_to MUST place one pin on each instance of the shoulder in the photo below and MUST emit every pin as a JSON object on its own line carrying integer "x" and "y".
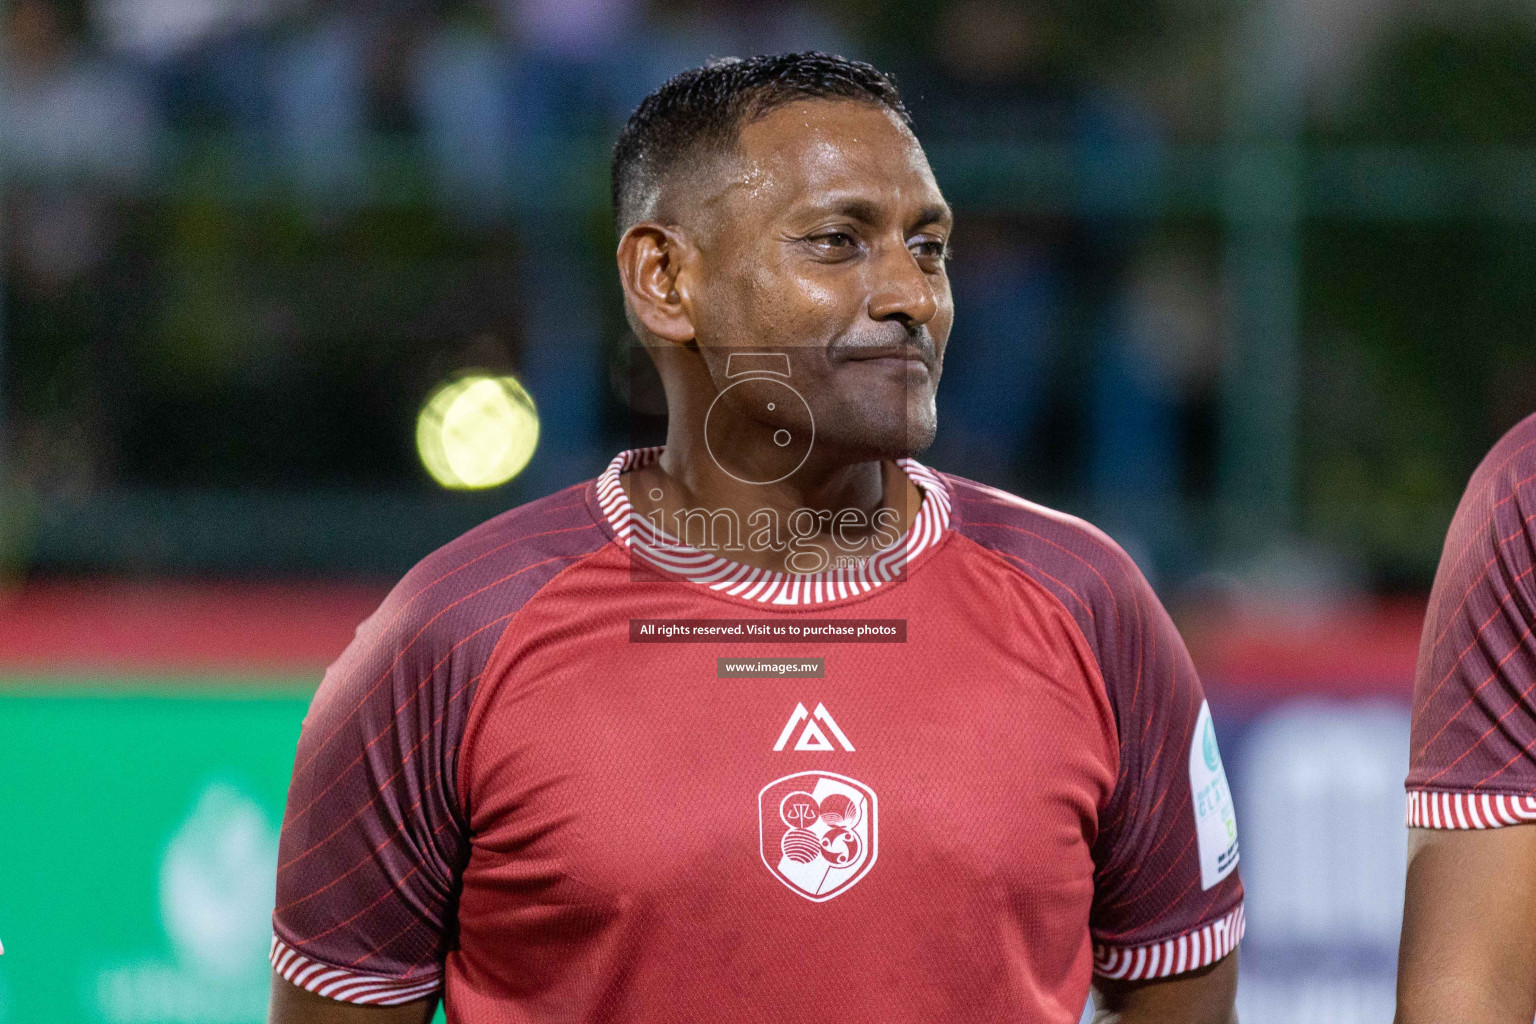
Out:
{"x": 1503, "y": 487}
{"x": 1509, "y": 463}
{"x": 1503, "y": 482}
{"x": 1135, "y": 644}
{"x": 421, "y": 653}
{"x": 1473, "y": 719}
{"x": 1069, "y": 557}
{"x": 535, "y": 540}
{"x": 1497, "y": 509}
{"x": 487, "y": 574}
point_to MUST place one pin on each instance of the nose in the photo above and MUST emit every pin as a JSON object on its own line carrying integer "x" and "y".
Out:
{"x": 901, "y": 289}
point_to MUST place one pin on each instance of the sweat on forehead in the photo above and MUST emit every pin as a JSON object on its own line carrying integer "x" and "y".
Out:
{"x": 818, "y": 152}
{"x": 695, "y": 118}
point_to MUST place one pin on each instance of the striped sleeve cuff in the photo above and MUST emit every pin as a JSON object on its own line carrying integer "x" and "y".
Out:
{"x": 1429, "y": 808}
{"x": 1188, "y": 952}
{"x": 345, "y": 985}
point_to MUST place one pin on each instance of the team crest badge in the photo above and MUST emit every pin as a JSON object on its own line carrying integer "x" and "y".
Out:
{"x": 818, "y": 832}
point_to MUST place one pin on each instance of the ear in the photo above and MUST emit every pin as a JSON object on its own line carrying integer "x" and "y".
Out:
{"x": 655, "y": 268}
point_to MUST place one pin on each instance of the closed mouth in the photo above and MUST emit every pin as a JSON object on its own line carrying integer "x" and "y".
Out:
{"x": 903, "y": 356}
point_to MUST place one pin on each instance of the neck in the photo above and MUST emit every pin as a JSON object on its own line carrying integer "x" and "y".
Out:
{"x": 828, "y": 510}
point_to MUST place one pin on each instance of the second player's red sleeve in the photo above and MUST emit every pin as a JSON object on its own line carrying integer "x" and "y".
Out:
{"x": 1473, "y": 756}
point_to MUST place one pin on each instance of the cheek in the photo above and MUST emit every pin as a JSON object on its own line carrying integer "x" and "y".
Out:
{"x": 943, "y": 320}
{"x": 797, "y": 305}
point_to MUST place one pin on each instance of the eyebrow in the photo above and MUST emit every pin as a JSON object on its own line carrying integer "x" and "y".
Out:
{"x": 933, "y": 212}
{"x": 864, "y": 210}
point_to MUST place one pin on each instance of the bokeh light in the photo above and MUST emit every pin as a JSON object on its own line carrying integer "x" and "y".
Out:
{"x": 477, "y": 431}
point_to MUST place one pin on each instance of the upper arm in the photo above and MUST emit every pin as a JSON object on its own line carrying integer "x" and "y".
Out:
{"x": 1469, "y": 927}
{"x": 1203, "y": 996}
{"x": 1469, "y": 946}
{"x": 1167, "y": 898}
{"x": 373, "y": 838}
{"x": 1167, "y": 901}
{"x": 293, "y": 1005}
{"x": 1473, "y": 758}
{"x": 376, "y": 833}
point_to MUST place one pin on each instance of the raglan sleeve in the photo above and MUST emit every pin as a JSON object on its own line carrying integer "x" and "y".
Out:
{"x": 1472, "y": 763}
{"x": 373, "y": 840}
{"x": 1167, "y": 897}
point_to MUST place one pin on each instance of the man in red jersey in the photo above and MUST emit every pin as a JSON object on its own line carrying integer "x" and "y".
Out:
{"x": 773, "y": 723}
{"x": 1469, "y": 922}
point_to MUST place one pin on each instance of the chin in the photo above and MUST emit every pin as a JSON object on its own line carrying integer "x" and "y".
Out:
{"x": 870, "y": 440}
{"x": 919, "y": 427}
{"x": 903, "y": 427}
{"x": 920, "y": 439}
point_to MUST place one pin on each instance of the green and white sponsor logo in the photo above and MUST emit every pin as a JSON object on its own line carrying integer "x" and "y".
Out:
{"x": 1215, "y": 820}
{"x": 140, "y": 854}
{"x": 216, "y": 885}
{"x": 1208, "y": 746}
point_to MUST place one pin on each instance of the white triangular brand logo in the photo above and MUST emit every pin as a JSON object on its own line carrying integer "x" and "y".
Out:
{"x": 812, "y": 738}
{"x": 811, "y": 735}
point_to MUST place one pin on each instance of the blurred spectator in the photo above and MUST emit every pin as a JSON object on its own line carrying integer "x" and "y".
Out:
{"x": 569, "y": 56}
{"x": 1052, "y": 299}
{"x": 679, "y": 34}
{"x": 317, "y": 78}
{"x": 1160, "y": 353}
{"x": 203, "y": 57}
{"x": 577, "y": 30}
{"x": 161, "y": 30}
{"x": 67, "y": 113}
{"x": 990, "y": 81}
{"x": 465, "y": 99}
{"x": 77, "y": 132}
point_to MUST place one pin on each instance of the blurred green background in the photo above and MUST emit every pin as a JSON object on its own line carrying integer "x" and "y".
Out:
{"x": 138, "y": 879}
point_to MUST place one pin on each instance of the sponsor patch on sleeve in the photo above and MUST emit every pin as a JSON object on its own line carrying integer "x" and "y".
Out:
{"x": 1215, "y": 821}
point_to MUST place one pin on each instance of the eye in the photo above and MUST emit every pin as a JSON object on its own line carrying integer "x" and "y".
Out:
{"x": 933, "y": 252}
{"x": 835, "y": 240}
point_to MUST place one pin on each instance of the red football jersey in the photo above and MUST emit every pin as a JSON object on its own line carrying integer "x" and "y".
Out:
{"x": 504, "y": 792}
{"x": 1474, "y": 718}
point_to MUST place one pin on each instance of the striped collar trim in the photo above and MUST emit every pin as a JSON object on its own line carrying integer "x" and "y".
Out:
{"x": 762, "y": 586}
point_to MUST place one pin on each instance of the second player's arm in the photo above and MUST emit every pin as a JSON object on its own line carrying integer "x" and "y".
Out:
{"x": 1469, "y": 927}
{"x": 1205, "y": 996}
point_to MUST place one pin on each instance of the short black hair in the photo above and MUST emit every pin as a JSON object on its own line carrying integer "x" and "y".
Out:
{"x": 703, "y": 109}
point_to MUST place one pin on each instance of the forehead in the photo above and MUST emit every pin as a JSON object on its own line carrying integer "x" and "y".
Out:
{"x": 812, "y": 148}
